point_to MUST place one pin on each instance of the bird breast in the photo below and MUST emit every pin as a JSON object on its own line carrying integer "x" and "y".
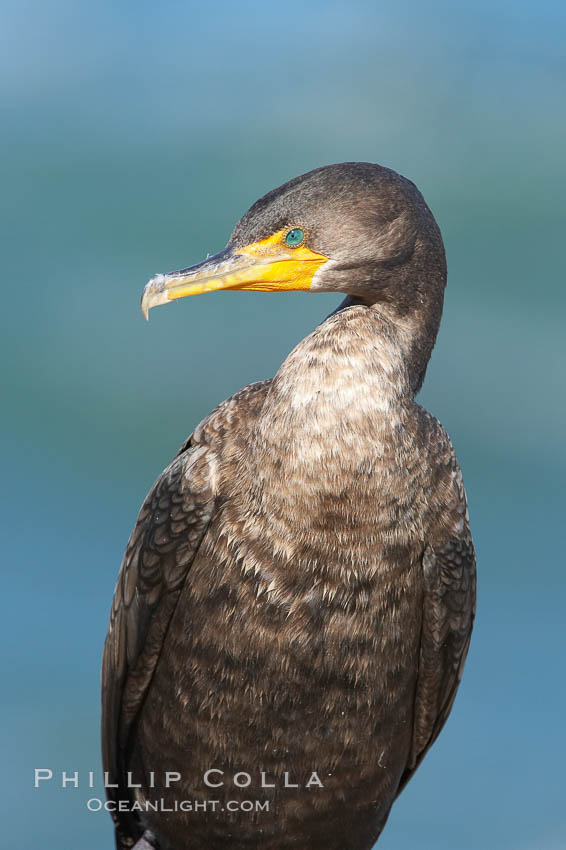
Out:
{"x": 332, "y": 473}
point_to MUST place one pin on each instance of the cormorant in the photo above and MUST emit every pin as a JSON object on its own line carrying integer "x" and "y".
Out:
{"x": 296, "y": 600}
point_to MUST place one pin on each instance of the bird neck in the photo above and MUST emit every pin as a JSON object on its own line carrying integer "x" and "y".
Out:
{"x": 411, "y": 331}
{"x": 345, "y": 382}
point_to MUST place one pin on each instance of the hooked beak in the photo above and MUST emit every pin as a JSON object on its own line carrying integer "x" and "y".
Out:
{"x": 267, "y": 265}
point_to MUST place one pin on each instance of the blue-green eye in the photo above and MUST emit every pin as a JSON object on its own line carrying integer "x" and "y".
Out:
{"x": 294, "y": 237}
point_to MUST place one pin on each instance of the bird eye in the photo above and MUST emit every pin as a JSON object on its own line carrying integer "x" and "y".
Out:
{"x": 295, "y": 237}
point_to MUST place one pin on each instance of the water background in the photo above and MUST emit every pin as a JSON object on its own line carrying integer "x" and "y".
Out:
{"x": 134, "y": 136}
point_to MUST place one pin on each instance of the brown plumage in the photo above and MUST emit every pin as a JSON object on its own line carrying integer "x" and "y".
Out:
{"x": 298, "y": 592}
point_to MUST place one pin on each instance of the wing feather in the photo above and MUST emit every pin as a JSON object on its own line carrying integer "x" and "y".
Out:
{"x": 169, "y": 529}
{"x": 449, "y": 603}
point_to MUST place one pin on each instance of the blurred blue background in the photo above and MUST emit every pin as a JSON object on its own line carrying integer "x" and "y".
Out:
{"x": 134, "y": 136}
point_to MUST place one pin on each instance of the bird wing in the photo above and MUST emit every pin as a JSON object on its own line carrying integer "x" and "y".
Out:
{"x": 449, "y": 602}
{"x": 168, "y": 532}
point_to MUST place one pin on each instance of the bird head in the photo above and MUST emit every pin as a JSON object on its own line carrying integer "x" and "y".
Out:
{"x": 355, "y": 228}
